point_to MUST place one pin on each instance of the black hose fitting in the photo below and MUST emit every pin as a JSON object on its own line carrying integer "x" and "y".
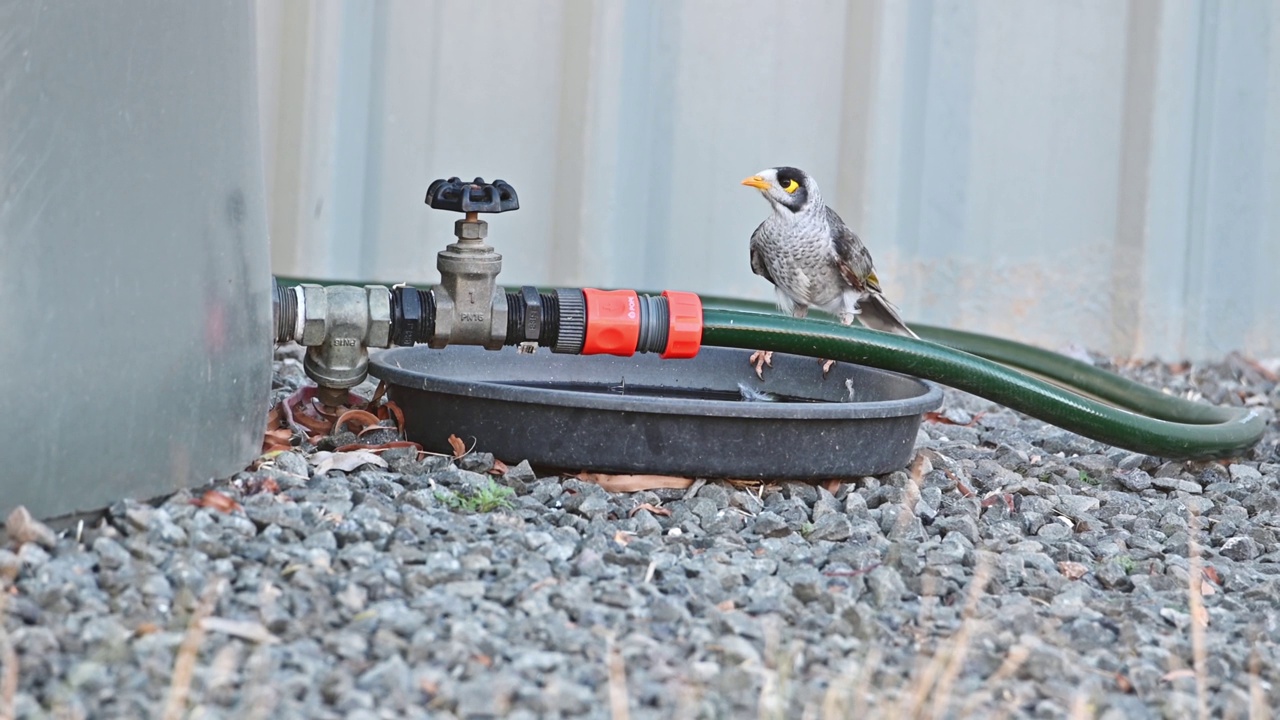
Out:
{"x": 413, "y": 315}
{"x": 534, "y": 317}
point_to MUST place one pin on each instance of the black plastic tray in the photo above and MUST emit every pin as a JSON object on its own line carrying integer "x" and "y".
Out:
{"x": 647, "y": 415}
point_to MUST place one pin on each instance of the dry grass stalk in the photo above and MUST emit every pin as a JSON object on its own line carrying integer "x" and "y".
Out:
{"x": 1013, "y": 660}
{"x": 1080, "y": 707}
{"x": 618, "y": 704}
{"x": 184, "y": 663}
{"x": 960, "y": 644}
{"x": 866, "y": 674}
{"x": 1258, "y": 708}
{"x": 1199, "y": 617}
{"x": 9, "y": 662}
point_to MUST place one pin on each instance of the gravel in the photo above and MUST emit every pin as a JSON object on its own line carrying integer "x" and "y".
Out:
{"x": 1016, "y": 568}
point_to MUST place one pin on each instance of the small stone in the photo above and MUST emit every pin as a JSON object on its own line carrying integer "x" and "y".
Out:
{"x": 1136, "y": 480}
{"x": 1170, "y": 484}
{"x": 1054, "y": 531}
{"x": 523, "y": 472}
{"x": 886, "y": 586}
{"x": 1114, "y": 574}
{"x": 1240, "y": 471}
{"x": 831, "y": 527}
{"x": 1240, "y": 548}
{"x": 1076, "y": 505}
{"x": 293, "y": 463}
{"x": 770, "y": 524}
{"x": 738, "y": 650}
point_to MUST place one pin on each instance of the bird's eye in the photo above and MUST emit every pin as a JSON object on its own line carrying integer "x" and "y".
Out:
{"x": 791, "y": 186}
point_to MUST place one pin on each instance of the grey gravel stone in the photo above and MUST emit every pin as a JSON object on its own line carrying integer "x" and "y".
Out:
{"x": 1241, "y": 548}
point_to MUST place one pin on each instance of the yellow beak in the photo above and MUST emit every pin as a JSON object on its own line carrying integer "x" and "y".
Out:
{"x": 757, "y": 182}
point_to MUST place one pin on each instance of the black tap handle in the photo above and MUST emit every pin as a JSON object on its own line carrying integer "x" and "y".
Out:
{"x": 476, "y": 196}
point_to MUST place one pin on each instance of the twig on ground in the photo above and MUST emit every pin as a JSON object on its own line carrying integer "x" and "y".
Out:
{"x": 184, "y": 663}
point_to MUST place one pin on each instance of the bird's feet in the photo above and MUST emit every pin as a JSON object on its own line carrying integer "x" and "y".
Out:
{"x": 759, "y": 359}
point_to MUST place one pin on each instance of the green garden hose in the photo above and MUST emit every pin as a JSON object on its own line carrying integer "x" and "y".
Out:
{"x": 1139, "y": 418}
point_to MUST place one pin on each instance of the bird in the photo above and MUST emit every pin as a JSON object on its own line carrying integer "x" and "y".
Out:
{"x": 813, "y": 259}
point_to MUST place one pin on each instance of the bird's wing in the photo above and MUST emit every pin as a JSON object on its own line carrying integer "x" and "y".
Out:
{"x": 851, "y": 256}
{"x": 757, "y": 259}
{"x": 854, "y": 262}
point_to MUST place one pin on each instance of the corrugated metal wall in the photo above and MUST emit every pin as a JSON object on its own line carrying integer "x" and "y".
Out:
{"x": 1101, "y": 172}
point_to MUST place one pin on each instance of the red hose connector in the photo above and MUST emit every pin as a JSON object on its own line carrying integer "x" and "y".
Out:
{"x": 623, "y": 322}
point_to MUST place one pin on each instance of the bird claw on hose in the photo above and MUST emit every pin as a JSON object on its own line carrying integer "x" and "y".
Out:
{"x": 759, "y": 359}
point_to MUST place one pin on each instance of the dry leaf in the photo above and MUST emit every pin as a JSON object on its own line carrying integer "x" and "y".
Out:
{"x": 1124, "y": 684}
{"x": 146, "y": 628}
{"x": 833, "y": 486}
{"x": 623, "y": 537}
{"x": 22, "y": 528}
{"x": 939, "y": 418}
{"x": 651, "y": 508}
{"x": 725, "y": 606}
{"x": 1072, "y": 570}
{"x": 345, "y": 461}
{"x": 243, "y": 629}
{"x": 499, "y": 468}
{"x": 995, "y": 499}
{"x": 1182, "y": 674}
{"x": 261, "y": 485}
{"x": 634, "y": 483}
{"x": 1212, "y": 574}
{"x": 459, "y": 447}
{"x": 215, "y": 500}
{"x": 355, "y": 421}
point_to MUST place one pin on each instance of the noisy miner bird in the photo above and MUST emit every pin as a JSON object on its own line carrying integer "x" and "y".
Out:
{"x": 814, "y": 259}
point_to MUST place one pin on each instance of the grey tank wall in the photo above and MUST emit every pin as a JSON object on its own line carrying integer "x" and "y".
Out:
{"x": 134, "y": 281}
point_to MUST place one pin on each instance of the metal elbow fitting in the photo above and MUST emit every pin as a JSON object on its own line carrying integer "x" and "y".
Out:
{"x": 337, "y": 324}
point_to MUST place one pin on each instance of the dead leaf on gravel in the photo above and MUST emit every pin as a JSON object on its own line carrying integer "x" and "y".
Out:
{"x": 634, "y": 483}
{"x": 261, "y": 485}
{"x": 459, "y": 447}
{"x": 215, "y": 500}
{"x": 651, "y": 508}
{"x": 623, "y": 537}
{"x": 499, "y": 468}
{"x": 355, "y": 421}
{"x": 941, "y": 419}
{"x": 22, "y": 528}
{"x": 1124, "y": 684}
{"x": 1180, "y": 674}
{"x": 1212, "y": 575}
{"x": 243, "y": 629}
{"x": 1072, "y": 570}
{"x": 345, "y": 461}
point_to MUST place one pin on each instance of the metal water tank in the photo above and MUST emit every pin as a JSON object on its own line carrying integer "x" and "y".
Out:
{"x": 134, "y": 282}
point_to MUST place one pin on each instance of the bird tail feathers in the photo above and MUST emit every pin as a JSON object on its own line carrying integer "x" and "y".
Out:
{"x": 876, "y": 312}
